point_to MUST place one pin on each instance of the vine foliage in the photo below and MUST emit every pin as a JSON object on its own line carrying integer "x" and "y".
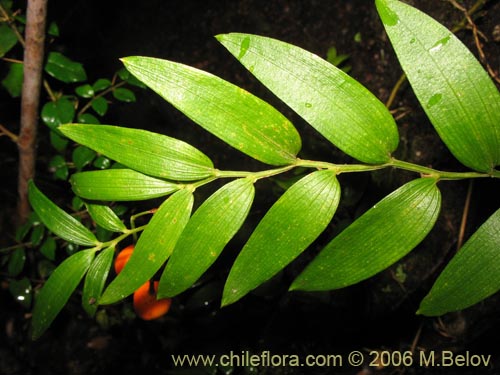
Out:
{"x": 454, "y": 90}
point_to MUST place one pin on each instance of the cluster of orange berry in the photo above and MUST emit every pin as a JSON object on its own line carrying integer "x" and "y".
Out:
{"x": 146, "y": 305}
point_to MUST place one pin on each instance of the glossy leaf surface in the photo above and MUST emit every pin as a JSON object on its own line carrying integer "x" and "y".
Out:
{"x": 151, "y": 153}
{"x": 237, "y": 117}
{"x": 335, "y": 104}
{"x": 377, "y": 239}
{"x": 101, "y": 84}
{"x": 95, "y": 280}
{"x": 85, "y": 91}
{"x": 100, "y": 105}
{"x": 153, "y": 248}
{"x": 213, "y": 224}
{"x": 64, "y": 69}
{"x": 124, "y": 95}
{"x": 58, "y": 112}
{"x": 456, "y": 93}
{"x": 119, "y": 185}
{"x": 287, "y": 229}
{"x": 82, "y": 156}
{"x": 471, "y": 276}
{"x": 58, "y": 221}
{"x": 105, "y": 217}
{"x": 57, "y": 290}
{"x": 21, "y": 291}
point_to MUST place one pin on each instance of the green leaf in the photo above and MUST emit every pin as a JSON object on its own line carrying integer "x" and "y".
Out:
{"x": 58, "y": 166}
{"x": 87, "y": 118}
{"x": 48, "y": 248}
{"x": 471, "y": 276}
{"x": 45, "y": 268}
{"x": 13, "y": 82}
{"x": 102, "y": 162}
{"x": 456, "y": 93}
{"x": 7, "y": 5}
{"x": 8, "y": 39}
{"x": 57, "y": 290}
{"x": 85, "y": 91}
{"x": 377, "y": 239}
{"x": 237, "y": 117}
{"x": 23, "y": 230}
{"x": 101, "y": 84}
{"x": 100, "y": 105}
{"x": 53, "y": 29}
{"x": 153, "y": 248}
{"x": 82, "y": 156}
{"x": 125, "y": 75}
{"x": 57, "y": 141}
{"x": 59, "y": 112}
{"x": 124, "y": 95}
{"x": 58, "y": 221}
{"x": 95, "y": 280}
{"x": 16, "y": 262}
{"x": 336, "y": 105}
{"x": 21, "y": 291}
{"x": 105, "y": 217}
{"x": 64, "y": 69}
{"x": 77, "y": 203}
{"x": 151, "y": 153}
{"x": 287, "y": 229}
{"x": 119, "y": 185}
{"x": 213, "y": 224}
{"x": 37, "y": 235}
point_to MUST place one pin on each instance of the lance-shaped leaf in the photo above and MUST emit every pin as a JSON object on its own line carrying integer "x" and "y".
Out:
{"x": 287, "y": 229}
{"x": 377, "y": 239}
{"x": 105, "y": 217}
{"x": 119, "y": 185}
{"x": 57, "y": 290}
{"x": 471, "y": 276}
{"x": 336, "y": 105}
{"x": 58, "y": 221}
{"x": 213, "y": 224}
{"x": 153, "y": 248}
{"x": 456, "y": 93}
{"x": 234, "y": 115}
{"x": 95, "y": 280}
{"x": 147, "y": 152}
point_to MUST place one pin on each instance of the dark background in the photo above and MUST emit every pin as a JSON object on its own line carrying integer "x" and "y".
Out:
{"x": 378, "y": 314}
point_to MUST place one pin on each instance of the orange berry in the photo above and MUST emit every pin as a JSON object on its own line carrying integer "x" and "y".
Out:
{"x": 146, "y": 306}
{"x": 123, "y": 258}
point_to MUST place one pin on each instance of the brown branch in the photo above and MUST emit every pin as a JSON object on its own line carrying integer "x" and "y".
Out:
{"x": 477, "y": 34}
{"x": 465, "y": 214}
{"x": 30, "y": 100}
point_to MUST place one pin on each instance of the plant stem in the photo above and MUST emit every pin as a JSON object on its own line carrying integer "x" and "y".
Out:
{"x": 339, "y": 168}
{"x": 108, "y": 90}
{"x": 254, "y": 175}
{"x": 442, "y": 175}
{"x": 8, "y": 133}
{"x": 11, "y": 21}
{"x": 349, "y": 168}
{"x": 395, "y": 90}
{"x": 30, "y": 100}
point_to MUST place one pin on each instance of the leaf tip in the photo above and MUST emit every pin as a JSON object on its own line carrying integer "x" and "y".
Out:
{"x": 219, "y": 37}
{"x": 230, "y": 296}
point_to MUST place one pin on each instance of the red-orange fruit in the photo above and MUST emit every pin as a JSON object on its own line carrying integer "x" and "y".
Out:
{"x": 146, "y": 306}
{"x": 123, "y": 258}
